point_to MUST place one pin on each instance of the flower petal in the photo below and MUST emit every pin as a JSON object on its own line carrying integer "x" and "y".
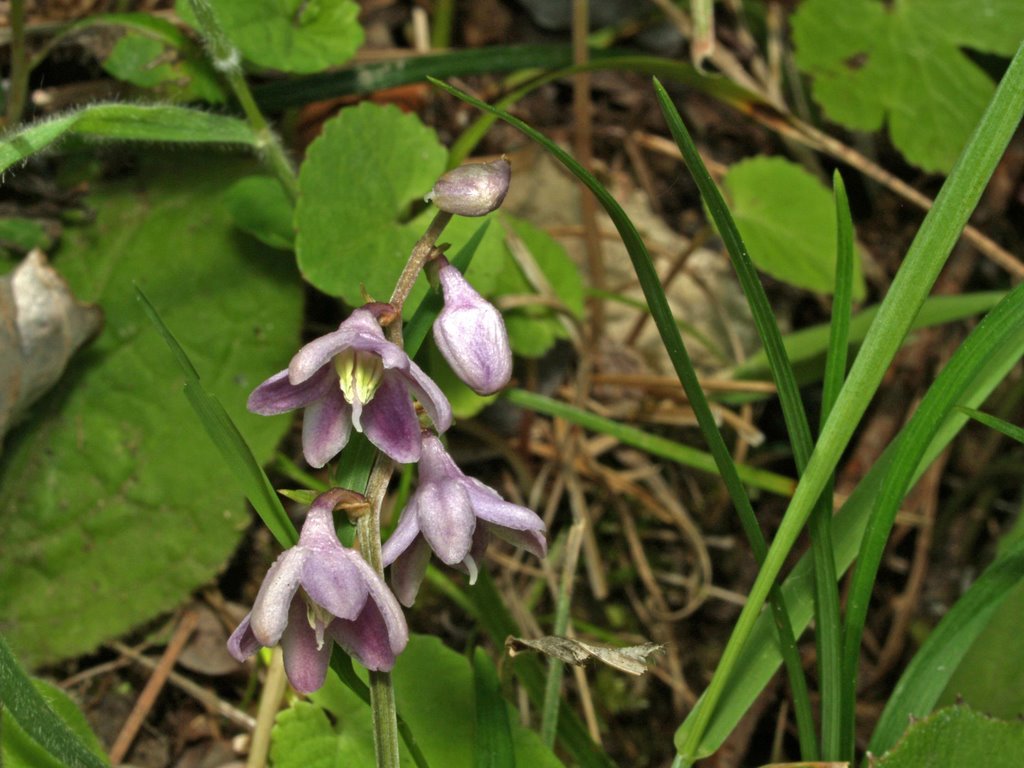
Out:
{"x": 334, "y": 583}
{"x": 390, "y": 423}
{"x": 387, "y": 606}
{"x": 278, "y": 395}
{"x": 304, "y": 663}
{"x": 532, "y": 541}
{"x": 325, "y": 428}
{"x": 269, "y": 615}
{"x": 430, "y": 397}
{"x": 405, "y": 533}
{"x": 447, "y": 520}
{"x": 489, "y": 506}
{"x": 408, "y": 570}
{"x": 243, "y": 643}
{"x": 365, "y": 638}
{"x": 315, "y": 355}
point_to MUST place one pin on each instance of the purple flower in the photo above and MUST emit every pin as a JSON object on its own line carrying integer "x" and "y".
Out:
{"x": 471, "y": 334}
{"x": 318, "y": 593}
{"x": 475, "y": 189}
{"x": 354, "y": 376}
{"x": 454, "y": 516}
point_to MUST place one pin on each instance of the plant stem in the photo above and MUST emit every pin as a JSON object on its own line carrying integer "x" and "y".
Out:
{"x": 421, "y": 252}
{"x": 18, "y": 89}
{"x": 226, "y": 59}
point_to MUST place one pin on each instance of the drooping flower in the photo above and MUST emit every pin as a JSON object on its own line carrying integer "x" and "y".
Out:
{"x": 454, "y": 516}
{"x": 354, "y": 377}
{"x": 474, "y": 189}
{"x": 318, "y": 593}
{"x": 471, "y": 335}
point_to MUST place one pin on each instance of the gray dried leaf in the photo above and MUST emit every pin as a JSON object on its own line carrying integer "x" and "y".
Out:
{"x": 633, "y": 659}
{"x": 41, "y": 325}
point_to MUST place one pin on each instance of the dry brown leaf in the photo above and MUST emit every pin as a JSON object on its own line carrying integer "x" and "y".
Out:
{"x": 41, "y": 326}
{"x": 632, "y": 658}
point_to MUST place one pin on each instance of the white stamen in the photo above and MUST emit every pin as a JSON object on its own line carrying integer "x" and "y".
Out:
{"x": 470, "y": 564}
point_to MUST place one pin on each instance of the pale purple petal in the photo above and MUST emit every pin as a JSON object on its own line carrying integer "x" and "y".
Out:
{"x": 304, "y": 663}
{"x": 408, "y": 570}
{"x": 326, "y": 425}
{"x": 243, "y": 643}
{"x": 390, "y": 422}
{"x": 430, "y": 397}
{"x": 334, "y": 583}
{"x": 447, "y": 520}
{"x": 405, "y": 533}
{"x": 435, "y": 463}
{"x": 365, "y": 639}
{"x": 317, "y": 354}
{"x": 532, "y": 541}
{"x": 390, "y": 611}
{"x": 269, "y": 615}
{"x": 278, "y": 395}
{"x": 502, "y": 513}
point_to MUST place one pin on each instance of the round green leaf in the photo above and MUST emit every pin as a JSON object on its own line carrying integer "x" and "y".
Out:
{"x": 358, "y": 180}
{"x": 956, "y": 737}
{"x": 787, "y": 220}
{"x": 259, "y": 206}
{"x": 114, "y": 503}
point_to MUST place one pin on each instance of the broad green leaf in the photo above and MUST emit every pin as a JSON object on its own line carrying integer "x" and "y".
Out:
{"x": 787, "y": 220}
{"x": 299, "y": 36}
{"x": 40, "y": 726}
{"x": 957, "y": 737}
{"x": 360, "y": 176}
{"x": 259, "y": 206}
{"x": 114, "y": 504}
{"x": 126, "y": 122}
{"x": 21, "y": 235}
{"x": 426, "y": 675}
{"x": 902, "y": 63}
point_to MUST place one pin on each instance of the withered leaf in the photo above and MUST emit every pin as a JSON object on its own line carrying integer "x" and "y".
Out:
{"x": 632, "y": 658}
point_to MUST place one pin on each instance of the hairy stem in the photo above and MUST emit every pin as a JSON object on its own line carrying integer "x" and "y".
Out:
{"x": 17, "y": 91}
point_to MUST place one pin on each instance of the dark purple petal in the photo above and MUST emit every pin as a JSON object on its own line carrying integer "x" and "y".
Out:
{"x": 387, "y": 606}
{"x": 334, "y": 582}
{"x": 269, "y": 615}
{"x": 365, "y": 639}
{"x": 278, "y": 395}
{"x": 447, "y": 520}
{"x": 430, "y": 397}
{"x": 326, "y": 425}
{"x": 405, "y": 533}
{"x": 408, "y": 570}
{"x": 243, "y": 643}
{"x": 390, "y": 423}
{"x": 304, "y": 663}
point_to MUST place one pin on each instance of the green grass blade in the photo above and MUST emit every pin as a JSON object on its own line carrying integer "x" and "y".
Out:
{"x": 229, "y": 441}
{"x": 994, "y": 422}
{"x": 654, "y": 445}
{"x": 126, "y": 122}
{"x": 920, "y": 268}
{"x": 30, "y": 710}
{"x": 661, "y": 313}
{"x": 926, "y": 676}
{"x": 828, "y": 626}
{"x": 968, "y": 379}
{"x": 493, "y": 731}
{"x": 778, "y": 361}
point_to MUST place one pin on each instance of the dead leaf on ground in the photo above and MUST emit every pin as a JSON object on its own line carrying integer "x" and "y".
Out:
{"x": 632, "y": 658}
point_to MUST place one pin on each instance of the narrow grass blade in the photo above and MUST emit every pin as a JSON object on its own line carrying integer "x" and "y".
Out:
{"x": 37, "y": 719}
{"x": 654, "y": 445}
{"x": 793, "y": 411}
{"x": 827, "y": 623}
{"x": 493, "y": 731}
{"x": 994, "y": 422}
{"x": 971, "y": 375}
{"x": 920, "y": 268}
{"x": 225, "y": 435}
{"x": 926, "y": 676}
{"x": 661, "y": 313}
{"x": 126, "y": 122}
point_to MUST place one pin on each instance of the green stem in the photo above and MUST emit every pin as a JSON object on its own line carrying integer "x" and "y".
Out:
{"x": 421, "y": 252}
{"x": 553, "y": 684}
{"x": 18, "y": 90}
{"x": 226, "y": 59}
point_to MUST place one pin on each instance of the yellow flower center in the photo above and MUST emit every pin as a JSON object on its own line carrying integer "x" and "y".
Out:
{"x": 359, "y": 375}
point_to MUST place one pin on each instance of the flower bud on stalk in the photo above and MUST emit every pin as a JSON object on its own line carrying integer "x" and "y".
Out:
{"x": 470, "y": 333}
{"x": 472, "y": 190}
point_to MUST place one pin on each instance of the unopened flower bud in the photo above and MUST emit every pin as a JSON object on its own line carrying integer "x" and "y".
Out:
{"x": 472, "y": 190}
{"x": 471, "y": 334}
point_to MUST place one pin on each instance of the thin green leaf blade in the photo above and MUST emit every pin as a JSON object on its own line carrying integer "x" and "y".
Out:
{"x": 999, "y": 425}
{"x": 493, "y": 732}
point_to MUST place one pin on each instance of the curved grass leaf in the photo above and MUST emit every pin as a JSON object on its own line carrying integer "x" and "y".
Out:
{"x": 493, "y": 731}
{"x": 21, "y": 699}
{"x": 994, "y": 422}
{"x": 925, "y": 678}
{"x": 917, "y": 274}
{"x": 126, "y": 122}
